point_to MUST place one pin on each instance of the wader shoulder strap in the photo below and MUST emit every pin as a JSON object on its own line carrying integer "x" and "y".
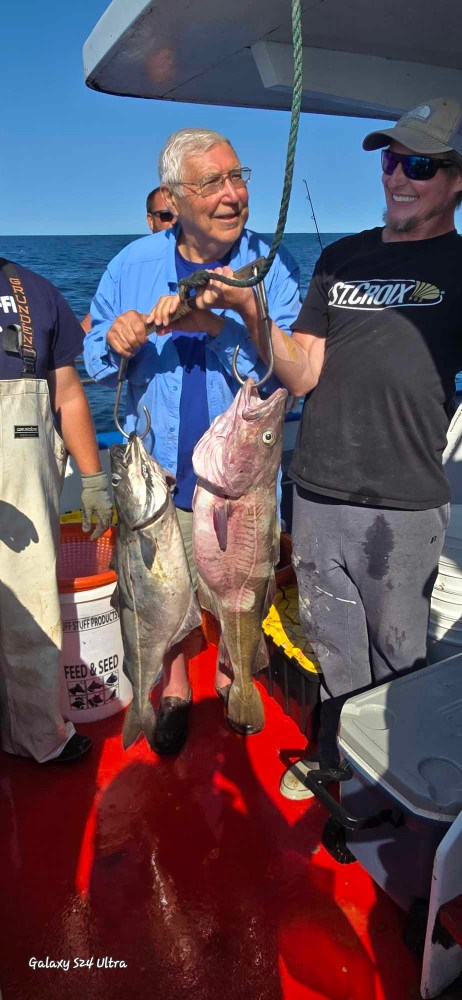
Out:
{"x": 26, "y": 345}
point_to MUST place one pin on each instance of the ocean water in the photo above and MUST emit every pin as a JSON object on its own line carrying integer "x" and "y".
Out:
{"x": 75, "y": 264}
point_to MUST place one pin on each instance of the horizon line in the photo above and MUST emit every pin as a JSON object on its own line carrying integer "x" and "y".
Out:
{"x": 293, "y": 232}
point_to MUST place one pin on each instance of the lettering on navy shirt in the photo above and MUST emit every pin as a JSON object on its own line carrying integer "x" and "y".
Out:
{"x": 43, "y": 316}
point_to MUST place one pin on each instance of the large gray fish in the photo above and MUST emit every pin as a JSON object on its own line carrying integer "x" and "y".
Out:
{"x": 157, "y": 603}
{"x": 236, "y": 536}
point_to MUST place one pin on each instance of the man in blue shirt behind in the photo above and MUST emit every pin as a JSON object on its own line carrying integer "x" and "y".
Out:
{"x": 183, "y": 375}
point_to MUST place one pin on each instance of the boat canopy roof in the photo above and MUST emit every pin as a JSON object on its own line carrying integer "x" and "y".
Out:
{"x": 367, "y": 58}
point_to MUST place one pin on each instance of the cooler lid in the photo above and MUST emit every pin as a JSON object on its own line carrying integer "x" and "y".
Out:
{"x": 408, "y": 733}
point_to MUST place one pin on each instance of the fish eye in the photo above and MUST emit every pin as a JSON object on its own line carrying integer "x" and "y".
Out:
{"x": 268, "y": 437}
{"x": 115, "y": 479}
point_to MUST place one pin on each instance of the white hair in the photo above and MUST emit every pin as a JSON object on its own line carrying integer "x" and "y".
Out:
{"x": 185, "y": 142}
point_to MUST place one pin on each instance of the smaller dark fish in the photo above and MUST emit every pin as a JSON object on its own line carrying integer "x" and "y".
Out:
{"x": 157, "y": 603}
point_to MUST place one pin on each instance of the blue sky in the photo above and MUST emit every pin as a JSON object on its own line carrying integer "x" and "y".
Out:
{"x": 76, "y": 161}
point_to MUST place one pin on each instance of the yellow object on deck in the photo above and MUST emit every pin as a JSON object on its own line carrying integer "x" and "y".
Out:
{"x": 75, "y": 517}
{"x": 282, "y": 625}
{"x": 72, "y": 517}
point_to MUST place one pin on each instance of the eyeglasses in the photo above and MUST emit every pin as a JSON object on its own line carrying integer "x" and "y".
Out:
{"x": 164, "y": 216}
{"x": 415, "y": 168}
{"x": 239, "y": 178}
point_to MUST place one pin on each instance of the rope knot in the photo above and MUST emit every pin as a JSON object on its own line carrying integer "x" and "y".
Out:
{"x": 196, "y": 280}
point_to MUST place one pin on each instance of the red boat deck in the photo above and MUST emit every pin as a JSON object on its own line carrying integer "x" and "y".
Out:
{"x": 193, "y": 871}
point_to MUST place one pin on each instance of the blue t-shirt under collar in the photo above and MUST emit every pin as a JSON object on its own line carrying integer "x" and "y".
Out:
{"x": 194, "y": 411}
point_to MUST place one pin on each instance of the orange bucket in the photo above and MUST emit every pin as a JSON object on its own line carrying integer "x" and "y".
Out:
{"x": 83, "y": 564}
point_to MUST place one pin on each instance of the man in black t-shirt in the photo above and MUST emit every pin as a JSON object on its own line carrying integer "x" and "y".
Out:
{"x": 376, "y": 348}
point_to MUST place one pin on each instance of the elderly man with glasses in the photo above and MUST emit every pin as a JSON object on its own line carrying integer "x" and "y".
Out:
{"x": 183, "y": 373}
{"x": 376, "y": 348}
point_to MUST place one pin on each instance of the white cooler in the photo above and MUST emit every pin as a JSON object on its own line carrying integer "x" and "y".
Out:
{"x": 404, "y": 743}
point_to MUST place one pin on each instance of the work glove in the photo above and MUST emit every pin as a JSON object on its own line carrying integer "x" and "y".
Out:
{"x": 96, "y": 502}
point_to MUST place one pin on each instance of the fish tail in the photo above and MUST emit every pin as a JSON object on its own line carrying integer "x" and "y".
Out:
{"x": 137, "y": 723}
{"x": 149, "y": 724}
{"x": 245, "y": 715}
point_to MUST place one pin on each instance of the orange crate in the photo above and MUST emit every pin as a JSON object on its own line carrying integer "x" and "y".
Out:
{"x": 83, "y": 564}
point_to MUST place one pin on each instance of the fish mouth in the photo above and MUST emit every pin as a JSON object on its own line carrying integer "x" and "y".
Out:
{"x": 124, "y": 454}
{"x": 147, "y": 489}
{"x": 253, "y": 407}
{"x": 117, "y": 452}
{"x": 212, "y": 453}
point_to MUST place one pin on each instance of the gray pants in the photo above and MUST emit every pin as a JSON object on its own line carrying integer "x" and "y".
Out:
{"x": 365, "y": 577}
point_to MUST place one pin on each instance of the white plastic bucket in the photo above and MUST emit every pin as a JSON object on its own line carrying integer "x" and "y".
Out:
{"x": 449, "y": 579}
{"x": 446, "y": 602}
{"x": 93, "y": 684}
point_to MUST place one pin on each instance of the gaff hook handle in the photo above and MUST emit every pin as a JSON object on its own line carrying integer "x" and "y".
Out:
{"x": 262, "y": 306}
{"x": 120, "y": 379}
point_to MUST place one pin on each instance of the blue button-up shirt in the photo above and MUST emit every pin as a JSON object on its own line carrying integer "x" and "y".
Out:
{"x": 135, "y": 279}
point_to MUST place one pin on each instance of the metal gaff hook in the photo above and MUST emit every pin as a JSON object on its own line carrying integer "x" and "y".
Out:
{"x": 262, "y": 305}
{"x": 120, "y": 378}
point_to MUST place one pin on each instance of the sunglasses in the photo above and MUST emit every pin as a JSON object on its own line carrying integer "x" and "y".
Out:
{"x": 415, "y": 168}
{"x": 164, "y": 216}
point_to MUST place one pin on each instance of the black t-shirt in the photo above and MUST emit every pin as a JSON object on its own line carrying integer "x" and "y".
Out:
{"x": 58, "y": 335}
{"x": 374, "y": 428}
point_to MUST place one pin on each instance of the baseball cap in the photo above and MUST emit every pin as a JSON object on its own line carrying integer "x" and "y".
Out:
{"x": 432, "y": 127}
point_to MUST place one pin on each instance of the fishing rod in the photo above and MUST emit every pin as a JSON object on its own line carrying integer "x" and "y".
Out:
{"x": 312, "y": 213}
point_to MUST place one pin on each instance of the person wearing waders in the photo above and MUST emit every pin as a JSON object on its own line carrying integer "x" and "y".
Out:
{"x": 378, "y": 345}
{"x": 44, "y": 415}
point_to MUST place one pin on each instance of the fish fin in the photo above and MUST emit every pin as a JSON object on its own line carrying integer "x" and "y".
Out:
{"x": 207, "y": 602}
{"x": 223, "y": 655}
{"x": 136, "y": 724}
{"x": 246, "y": 715}
{"x": 276, "y": 542}
{"x": 206, "y": 598}
{"x": 132, "y": 727}
{"x": 262, "y": 658}
{"x": 148, "y": 548}
{"x": 220, "y": 523}
{"x": 191, "y": 620}
{"x": 270, "y": 595}
{"x": 115, "y": 599}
